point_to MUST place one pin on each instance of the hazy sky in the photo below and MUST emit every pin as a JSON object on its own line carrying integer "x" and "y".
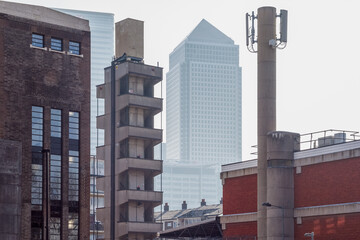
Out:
{"x": 318, "y": 76}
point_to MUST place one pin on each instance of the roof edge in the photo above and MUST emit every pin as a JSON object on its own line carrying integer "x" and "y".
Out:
{"x": 44, "y": 14}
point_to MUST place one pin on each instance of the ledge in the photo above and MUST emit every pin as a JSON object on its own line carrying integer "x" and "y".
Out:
{"x": 40, "y": 48}
{"x": 75, "y": 55}
{"x": 56, "y": 51}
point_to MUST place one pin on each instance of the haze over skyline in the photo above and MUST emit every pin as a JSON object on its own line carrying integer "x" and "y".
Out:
{"x": 317, "y": 76}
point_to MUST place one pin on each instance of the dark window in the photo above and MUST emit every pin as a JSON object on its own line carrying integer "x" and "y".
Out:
{"x": 37, "y": 116}
{"x": 37, "y": 40}
{"x": 74, "y": 47}
{"x": 56, "y": 44}
{"x": 55, "y": 164}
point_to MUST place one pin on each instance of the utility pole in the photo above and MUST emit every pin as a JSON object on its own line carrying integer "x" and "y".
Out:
{"x": 266, "y": 59}
{"x": 267, "y": 42}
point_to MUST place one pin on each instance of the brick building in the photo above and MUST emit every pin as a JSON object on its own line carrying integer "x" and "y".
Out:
{"x": 44, "y": 118}
{"x": 326, "y": 198}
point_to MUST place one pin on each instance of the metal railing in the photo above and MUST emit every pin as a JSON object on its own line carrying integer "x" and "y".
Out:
{"x": 324, "y": 138}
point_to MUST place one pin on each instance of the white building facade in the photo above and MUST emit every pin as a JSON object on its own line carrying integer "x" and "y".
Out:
{"x": 203, "y": 116}
{"x": 204, "y": 99}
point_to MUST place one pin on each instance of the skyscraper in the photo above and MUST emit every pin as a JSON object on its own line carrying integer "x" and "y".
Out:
{"x": 203, "y": 115}
{"x": 102, "y": 51}
{"x": 204, "y": 99}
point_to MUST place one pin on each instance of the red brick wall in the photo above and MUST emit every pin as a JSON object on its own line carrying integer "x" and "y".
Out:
{"x": 240, "y": 230}
{"x": 332, "y": 227}
{"x": 328, "y": 183}
{"x": 240, "y": 194}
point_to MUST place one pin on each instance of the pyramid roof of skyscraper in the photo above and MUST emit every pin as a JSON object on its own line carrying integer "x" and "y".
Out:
{"x": 205, "y": 32}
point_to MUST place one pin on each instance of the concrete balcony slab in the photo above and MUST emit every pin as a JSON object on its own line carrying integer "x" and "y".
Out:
{"x": 139, "y": 101}
{"x": 139, "y": 132}
{"x": 142, "y": 70}
{"x": 124, "y": 228}
{"x": 124, "y": 196}
{"x": 124, "y": 164}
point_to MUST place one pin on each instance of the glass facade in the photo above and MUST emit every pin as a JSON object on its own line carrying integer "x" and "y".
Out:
{"x": 204, "y": 102}
{"x": 102, "y": 52}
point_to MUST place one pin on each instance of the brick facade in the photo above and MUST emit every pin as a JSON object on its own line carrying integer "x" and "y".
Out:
{"x": 39, "y": 77}
{"x": 326, "y": 196}
{"x": 322, "y": 184}
{"x": 237, "y": 230}
{"x": 240, "y": 194}
{"x": 331, "y": 227}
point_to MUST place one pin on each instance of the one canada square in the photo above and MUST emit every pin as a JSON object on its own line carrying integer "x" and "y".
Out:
{"x": 204, "y": 99}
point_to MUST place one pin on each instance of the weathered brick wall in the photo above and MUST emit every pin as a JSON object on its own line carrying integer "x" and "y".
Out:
{"x": 332, "y": 227}
{"x": 240, "y": 194}
{"x": 10, "y": 189}
{"x": 328, "y": 183}
{"x": 30, "y": 76}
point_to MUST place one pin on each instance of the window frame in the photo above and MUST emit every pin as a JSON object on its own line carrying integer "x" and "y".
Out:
{"x": 56, "y": 41}
{"x": 36, "y": 37}
{"x": 72, "y": 48}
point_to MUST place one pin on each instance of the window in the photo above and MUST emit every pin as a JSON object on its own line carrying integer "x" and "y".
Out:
{"x": 74, "y": 156}
{"x": 73, "y": 194}
{"x": 56, "y": 44}
{"x": 74, "y": 47}
{"x": 37, "y": 40}
{"x": 56, "y": 152}
{"x": 37, "y": 117}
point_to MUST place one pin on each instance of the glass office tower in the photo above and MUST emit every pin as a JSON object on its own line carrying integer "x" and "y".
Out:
{"x": 204, "y": 98}
{"x": 102, "y": 52}
{"x": 203, "y": 113}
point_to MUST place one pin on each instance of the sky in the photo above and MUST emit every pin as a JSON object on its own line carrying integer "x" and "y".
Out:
{"x": 318, "y": 77}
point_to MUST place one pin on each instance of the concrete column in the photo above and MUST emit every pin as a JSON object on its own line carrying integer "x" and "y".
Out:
{"x": 266, "y": 103}
{"x": 280, "y": 184}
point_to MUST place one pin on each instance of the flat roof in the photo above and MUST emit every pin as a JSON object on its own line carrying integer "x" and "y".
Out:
{"x": 297, "y": 155}
{"x": 43, "y": 14}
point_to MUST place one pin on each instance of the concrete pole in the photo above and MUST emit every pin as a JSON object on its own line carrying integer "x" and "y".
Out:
{"x": 266, "y": 104}
{"x": 280, "y": 184}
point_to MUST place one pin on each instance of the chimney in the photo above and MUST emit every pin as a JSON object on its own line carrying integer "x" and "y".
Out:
{"x": 184, "y": 205}
{"x": 203, "y": 203}
{"x": 166, "y": 207}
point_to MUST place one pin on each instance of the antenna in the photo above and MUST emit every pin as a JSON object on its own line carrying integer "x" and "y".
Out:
{"x": 283, "y": 25}
{"x": 247, "y": 28}
{"x": 279, "y": 43}
{"x": 250, "y": 35}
